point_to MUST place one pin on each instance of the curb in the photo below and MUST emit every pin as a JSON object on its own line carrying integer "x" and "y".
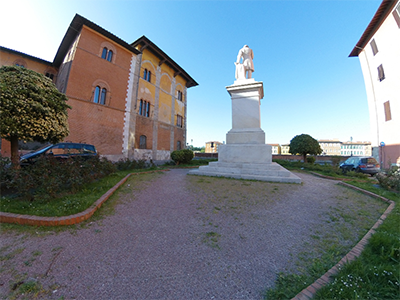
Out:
{"x": 65, "y": 220}
{"x": 311, "y": 290}
{"x": 329, "y": 177}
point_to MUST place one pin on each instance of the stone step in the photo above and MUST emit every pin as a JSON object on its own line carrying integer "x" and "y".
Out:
{"x": 243, "y": 171}
{"x": 273, "y": 178}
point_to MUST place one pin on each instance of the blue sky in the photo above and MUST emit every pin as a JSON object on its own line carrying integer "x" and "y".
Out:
{"x": 300, "y": 49}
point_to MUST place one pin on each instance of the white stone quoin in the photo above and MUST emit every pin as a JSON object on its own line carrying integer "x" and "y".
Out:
{"x": 245, "y": 154}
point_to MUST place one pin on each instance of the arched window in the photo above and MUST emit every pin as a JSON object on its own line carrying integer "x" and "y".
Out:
{"x": 104, "y": 54}
{"x": 178, "y": 145}
{"x": 100, "y": 95}
{"x": 96, "y": 94}
{"x": 109, "y": 56}
{"x": 149, "y": 76}
{"x": 142, "y": 142}
{"x": 145, "y": 74}
{"x": 49, "y": 75}
{"x": 103, "y": 96}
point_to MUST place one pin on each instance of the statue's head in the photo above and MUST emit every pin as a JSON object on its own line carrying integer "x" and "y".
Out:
{"x": 246, "y": 46}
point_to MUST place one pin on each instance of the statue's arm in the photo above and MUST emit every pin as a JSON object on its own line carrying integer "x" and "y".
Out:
{"x": 239, "y": 56}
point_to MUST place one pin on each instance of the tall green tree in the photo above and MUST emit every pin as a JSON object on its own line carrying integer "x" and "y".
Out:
{"x": 31, "y": 108}
{"x": 304, "y": 144}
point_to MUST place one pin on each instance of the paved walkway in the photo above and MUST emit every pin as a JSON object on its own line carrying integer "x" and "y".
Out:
{"x": 172, "y": 240}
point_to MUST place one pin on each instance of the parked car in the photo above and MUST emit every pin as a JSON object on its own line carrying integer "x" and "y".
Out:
{"x": 59, "y": 151}
{"x": 367, "y": 165}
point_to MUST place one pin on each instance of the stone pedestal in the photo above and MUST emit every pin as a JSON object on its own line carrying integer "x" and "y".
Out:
{"x": 245, "y": 154}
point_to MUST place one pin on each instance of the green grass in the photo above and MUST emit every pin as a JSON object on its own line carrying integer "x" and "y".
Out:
{"x": 63, "y": 206}
{"x": 374, "y": 275}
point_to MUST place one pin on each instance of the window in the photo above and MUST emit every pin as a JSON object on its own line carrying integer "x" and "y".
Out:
{"x": 388, "y": 114}
{"x": 180, "y": 97}
{"x": 144, "y": 108}
{"x": 103, "y": 96}
{"x": 107, "y": 54}
{"x": 178, "y": 145}
{"x": 104, "y": 53}
{"x": 96, "y": 94}
{"x": 49, "y": 75}
{"x": 396, "y": 15}
{"x": 374, "y": 47}
{"x": 100, "y": 95}
{"x": 142, "y": 142}
{"x": 179, "y": 121}
{"x": 381, "y": 73}
{"x": 147, "y": 75}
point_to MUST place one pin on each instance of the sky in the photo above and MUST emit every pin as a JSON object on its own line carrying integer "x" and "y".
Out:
{"x": 301, "y": 50}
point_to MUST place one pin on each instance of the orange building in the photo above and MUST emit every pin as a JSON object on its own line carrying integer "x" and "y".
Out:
{"x": 129, "y": 100}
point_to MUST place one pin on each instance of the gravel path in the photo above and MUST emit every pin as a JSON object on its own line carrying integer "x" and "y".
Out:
{"x": 177, "y": 239}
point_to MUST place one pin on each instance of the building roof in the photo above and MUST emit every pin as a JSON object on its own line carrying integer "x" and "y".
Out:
{"x": 380, "y": 16}
{"x": 34, "y": 58}
{"x": 75, "y": 28}
{"x": 356, "y": 143}
{"x": 145, "y": 43}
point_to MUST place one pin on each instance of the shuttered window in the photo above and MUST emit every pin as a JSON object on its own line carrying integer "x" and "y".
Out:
{"x": 388, "y": 114}
{"x": 374, "y": 47}
{"x": 396, "y": 15}
{"x": 381, "y": 73}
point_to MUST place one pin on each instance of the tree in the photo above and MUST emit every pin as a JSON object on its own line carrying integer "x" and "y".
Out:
{"x": 304, "y": 144}
{"x": 31, "y": 108}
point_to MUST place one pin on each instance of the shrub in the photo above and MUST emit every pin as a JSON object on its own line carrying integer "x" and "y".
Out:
{"x": 390, "y": 180}
{"x": 182, "y": 156}
{"x": 311, "y": 159}
{"x": 336, "y": 160}
{"x": 50, "y": 178}
{"x": 5, "y": 164}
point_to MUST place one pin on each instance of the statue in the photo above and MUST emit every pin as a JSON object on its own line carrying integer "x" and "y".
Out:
{"x": 246, "y": 66}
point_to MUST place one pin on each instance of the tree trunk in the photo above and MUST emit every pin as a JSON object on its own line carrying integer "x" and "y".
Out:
{"x": 305, "y": 158}
{"x": 14, "y": 151}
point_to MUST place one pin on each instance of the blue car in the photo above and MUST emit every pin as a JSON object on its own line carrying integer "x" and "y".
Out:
{"x": 366, "y": 165}
{"x": 59, "y": 151}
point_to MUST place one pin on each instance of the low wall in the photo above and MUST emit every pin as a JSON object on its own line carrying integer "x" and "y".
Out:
{"x": 320, "y": 159}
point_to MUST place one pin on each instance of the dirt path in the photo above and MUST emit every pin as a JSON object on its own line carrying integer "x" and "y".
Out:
{"x": 180, "y": 237}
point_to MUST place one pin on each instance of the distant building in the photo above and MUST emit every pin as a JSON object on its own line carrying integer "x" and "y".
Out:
{"x": 379, "y": 52}
{"x": 356, "y": 149}
{"x": 212, "y": 147}
{"x": 276, "y": 148}
{"x": 285, "y": 149}
{"x": 330, "y": 147}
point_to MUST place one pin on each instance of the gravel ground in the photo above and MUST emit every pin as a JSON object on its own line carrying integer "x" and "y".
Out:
{"x": 177, "y": 237}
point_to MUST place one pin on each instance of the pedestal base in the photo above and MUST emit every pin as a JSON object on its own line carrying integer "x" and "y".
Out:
{"x": 264, "y": 172}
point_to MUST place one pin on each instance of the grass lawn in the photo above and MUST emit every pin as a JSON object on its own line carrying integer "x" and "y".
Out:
{"x": 374, "y": 275}
{"x": 66, "y": 205}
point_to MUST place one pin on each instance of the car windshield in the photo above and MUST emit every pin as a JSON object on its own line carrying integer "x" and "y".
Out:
{"x": 41, "y": 149}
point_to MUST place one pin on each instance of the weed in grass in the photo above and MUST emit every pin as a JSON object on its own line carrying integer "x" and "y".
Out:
{"x": 211, "y": 239}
